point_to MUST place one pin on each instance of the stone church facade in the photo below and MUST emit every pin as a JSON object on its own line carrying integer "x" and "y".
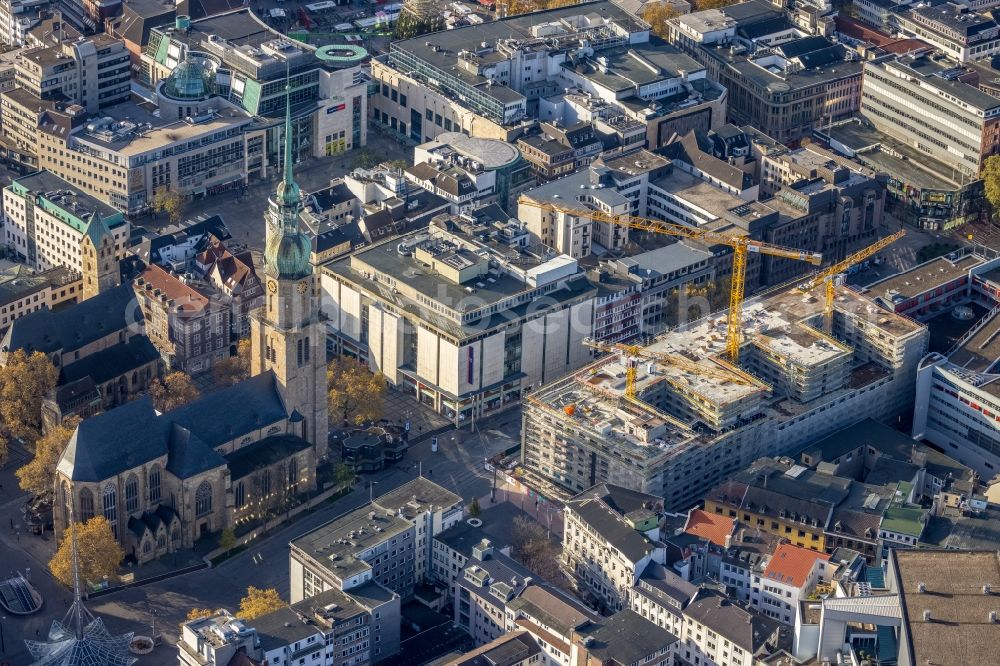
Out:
{"x": 165, "y": 480}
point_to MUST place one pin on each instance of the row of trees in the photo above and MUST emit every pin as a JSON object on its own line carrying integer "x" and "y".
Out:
{"x": 515, "y": 7}
{"x": 257, "y": 602}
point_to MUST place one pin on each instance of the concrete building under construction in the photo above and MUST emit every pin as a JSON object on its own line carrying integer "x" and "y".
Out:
{"x": 693, "y": 423}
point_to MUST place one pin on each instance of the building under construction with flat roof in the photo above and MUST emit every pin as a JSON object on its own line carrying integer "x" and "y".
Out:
{"x": 695, "y": 421}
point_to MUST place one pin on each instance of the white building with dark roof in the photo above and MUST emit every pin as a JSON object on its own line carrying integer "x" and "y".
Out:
{"x": 721, "y": 632}
{"x": 46, "y": 219}
{"x": 610, "y": 535}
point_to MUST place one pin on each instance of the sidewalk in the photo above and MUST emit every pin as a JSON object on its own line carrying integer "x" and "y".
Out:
{"x": 400, "y": 408}
{"x": 547, "y": 512}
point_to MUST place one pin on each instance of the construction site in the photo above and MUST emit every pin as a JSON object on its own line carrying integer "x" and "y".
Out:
{"x": 677, "y": 416}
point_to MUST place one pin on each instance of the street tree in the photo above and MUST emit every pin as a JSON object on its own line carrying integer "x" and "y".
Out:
{"x": 701, "y": 5}
{"x": 366, "y": 159}
{"x": 198, "y": 613}
{"x": 408, "y": 26}
{"x": 991, "y": 183}
{"x": 344, "y": 475}
{"x": 38, "y": 475}
{"x": 233, "y": 369}
{"x": 656, "y": 14}
{"x": 474, "y": 509}
{"x": 355, "y": 394}
{"x": 170, "y": 202}
{"x": 174, "y": 390}
{"x": 515, "y": 7}
{"x": 99, "y": 552}
{"x": 259, "y": 602}
{"x": 532, "y": 547}
{"x": 24, "y": 382}
{"x": 227, "y": 539}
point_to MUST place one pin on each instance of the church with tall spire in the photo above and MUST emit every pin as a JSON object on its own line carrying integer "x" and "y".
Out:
{"x": 164, "y": 480}
{"x": 286, "y": 334}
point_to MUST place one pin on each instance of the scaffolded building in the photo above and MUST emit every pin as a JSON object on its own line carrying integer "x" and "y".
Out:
{"x": 686, "y": 430}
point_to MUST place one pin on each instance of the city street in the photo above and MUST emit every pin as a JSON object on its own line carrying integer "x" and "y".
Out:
{"x": 458, "y": 465}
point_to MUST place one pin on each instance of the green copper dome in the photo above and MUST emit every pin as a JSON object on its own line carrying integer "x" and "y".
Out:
{"x": 286, "y": 255}
{"x": 288, "y": 193}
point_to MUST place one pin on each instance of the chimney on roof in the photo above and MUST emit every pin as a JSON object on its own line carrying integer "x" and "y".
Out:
{"x": 921, "y": 588}
{"x": 927, "y": 616}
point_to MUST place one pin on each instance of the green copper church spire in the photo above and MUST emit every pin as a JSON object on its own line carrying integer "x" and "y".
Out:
{"x": 286, "y": 250}
{"x": 288, "y": 190}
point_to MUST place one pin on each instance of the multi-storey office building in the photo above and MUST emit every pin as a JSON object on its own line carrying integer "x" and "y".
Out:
{"x": 617, "y": 185}
{"x": 690, "y": 430}
{"x": 957, "y": 29}
{"x": 93, "y": 72}
{"x": 779, "y": 79}
{"x": 958, "y": 396}
{"x": 129, "y": 151}
{"x": 245, "y": 61}
{"x": 17, "y": 17}
{"x": 463, "y": 320}
{"x": 918, "y": 100}
{"x": 47, "y": 218}
{"x": 491, "y": 80}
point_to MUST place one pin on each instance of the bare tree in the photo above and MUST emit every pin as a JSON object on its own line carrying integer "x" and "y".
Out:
{"x": 532, "y": 547}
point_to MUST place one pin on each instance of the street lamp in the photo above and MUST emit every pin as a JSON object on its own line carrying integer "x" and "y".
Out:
{"x": 371, "y": 491}
{"x": 3, "y": 646}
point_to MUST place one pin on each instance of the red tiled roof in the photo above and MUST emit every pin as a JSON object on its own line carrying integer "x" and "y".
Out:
{"x": 905, "y": 46}
{"x": 858, "y": 30}
{"x": 710, "y": 526}
{"x": 187, "y": 300}
{"x": 791, "y": 564}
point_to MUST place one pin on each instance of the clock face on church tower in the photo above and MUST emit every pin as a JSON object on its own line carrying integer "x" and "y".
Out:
{"x": 272, "y": 286}
{"x": 303, "y": 287}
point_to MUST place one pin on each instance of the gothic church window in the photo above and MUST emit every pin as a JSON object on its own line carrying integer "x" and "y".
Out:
{"x": 203, "y": 499}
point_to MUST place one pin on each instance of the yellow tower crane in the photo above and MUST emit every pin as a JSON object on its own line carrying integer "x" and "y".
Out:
{"x": 741, "y": 246}
{"x": 632, "y": 353}
{"x": 827, "y": 275}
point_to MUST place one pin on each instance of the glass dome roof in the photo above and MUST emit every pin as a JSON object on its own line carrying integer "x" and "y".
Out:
{"x": 188, "y": 81}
